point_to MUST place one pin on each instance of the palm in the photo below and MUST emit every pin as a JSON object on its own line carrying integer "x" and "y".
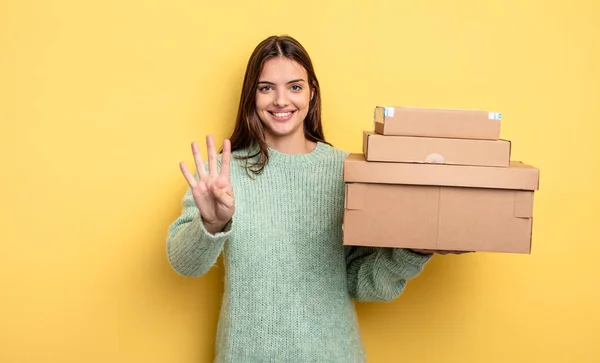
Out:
{"x": 212, "y": 191}
{"x": 211, "y": 208}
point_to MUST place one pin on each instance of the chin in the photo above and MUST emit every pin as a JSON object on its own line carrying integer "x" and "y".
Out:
{"x": 282, "y": 133}
{"x": 283, "y": 130}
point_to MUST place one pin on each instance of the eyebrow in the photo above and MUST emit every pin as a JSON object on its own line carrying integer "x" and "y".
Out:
{"x": 292, "y": 81}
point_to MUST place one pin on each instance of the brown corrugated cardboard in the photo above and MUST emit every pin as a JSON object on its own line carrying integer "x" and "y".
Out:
{"x": 433, "y": 150}
{"x": 518, "y": 176}
{"x": 437, "y": 122}
{"x": 442, "y": 218}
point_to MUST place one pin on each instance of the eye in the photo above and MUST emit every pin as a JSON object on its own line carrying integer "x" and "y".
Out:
{"x": 296, "y": 88}
{"x": 264, "y": 88}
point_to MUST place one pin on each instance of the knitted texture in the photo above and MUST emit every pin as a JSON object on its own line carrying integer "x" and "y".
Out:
{"x": 289, "y": 281}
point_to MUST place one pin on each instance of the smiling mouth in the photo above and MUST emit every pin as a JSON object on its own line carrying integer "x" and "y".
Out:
{"x": 282, "y": 114}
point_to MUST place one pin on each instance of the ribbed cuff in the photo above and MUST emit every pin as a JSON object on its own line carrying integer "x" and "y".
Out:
{"x": 219, "y": 235}
{"x": 194, "y": 250}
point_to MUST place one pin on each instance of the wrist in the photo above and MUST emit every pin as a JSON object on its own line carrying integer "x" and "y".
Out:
{"x": 214, "y": 228}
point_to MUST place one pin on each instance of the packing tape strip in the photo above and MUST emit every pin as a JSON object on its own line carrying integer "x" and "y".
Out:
{"x": 495, "y": 116}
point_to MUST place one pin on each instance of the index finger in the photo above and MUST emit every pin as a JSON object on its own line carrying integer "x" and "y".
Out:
{"x": 225, "y": 159}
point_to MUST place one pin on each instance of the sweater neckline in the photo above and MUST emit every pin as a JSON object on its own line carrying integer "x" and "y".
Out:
{"x": 277, "y": 157}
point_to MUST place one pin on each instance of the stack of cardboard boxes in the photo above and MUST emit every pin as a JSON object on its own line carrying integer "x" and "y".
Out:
{"x": 438, "y": 179}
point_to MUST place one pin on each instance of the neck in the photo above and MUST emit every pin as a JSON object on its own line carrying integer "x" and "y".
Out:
{"x": 293, "y": 144}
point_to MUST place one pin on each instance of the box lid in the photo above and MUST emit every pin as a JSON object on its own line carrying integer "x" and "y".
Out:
{"x": 518, "y": 175}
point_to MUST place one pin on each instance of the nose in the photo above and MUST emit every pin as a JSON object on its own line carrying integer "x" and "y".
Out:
{"x": 280, "y": 99}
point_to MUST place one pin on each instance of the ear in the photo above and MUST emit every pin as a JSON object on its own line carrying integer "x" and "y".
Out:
{"x": 312, "y": 93}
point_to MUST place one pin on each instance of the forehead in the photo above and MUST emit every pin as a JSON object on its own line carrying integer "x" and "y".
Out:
{"x": 282, "y": 69}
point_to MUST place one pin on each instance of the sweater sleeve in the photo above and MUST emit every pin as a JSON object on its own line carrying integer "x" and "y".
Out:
{"x": 381, "y": 273}
{"x": 191, "y": 249}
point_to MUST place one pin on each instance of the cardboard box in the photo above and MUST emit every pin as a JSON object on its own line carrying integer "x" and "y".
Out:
{"x": 446, "y": 207}
{"x": 437, "y": 122}
{"x": 518, "y": 176}
{"x": 443, "y": 218}
{"x": 430, "y": 150}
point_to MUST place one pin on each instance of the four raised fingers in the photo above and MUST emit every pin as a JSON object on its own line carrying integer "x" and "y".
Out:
{"x": 212, "y": 163}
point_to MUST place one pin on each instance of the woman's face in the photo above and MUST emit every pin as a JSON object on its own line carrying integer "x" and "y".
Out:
{"x": 282, "y": 97}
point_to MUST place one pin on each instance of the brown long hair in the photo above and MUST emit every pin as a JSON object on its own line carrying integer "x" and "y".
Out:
{"x": 248, "y": 131}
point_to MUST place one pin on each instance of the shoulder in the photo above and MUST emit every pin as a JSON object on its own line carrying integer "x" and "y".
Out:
{"x": 332, "y": 163}
{"x": 334, "y": 154}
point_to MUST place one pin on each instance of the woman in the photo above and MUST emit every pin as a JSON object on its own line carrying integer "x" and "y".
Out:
{"x": 289, "y": 281}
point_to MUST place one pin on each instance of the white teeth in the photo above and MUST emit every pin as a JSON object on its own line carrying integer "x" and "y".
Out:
{"x": 280, "y": 114}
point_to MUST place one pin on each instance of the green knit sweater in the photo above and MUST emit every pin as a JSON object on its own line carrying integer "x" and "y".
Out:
{"x": 289, "y": 281}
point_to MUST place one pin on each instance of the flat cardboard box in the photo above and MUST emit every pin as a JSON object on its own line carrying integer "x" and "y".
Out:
{"x": 437, "y": 122}
{"x": 518, "y": 176}
{"x": 440, "y": 218}
{"x": 433, "y": 150}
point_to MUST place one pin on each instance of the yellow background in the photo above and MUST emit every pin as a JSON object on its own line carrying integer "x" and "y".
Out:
{"x": 100, "y": 100}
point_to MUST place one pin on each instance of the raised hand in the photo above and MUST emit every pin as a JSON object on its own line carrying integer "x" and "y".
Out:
{"x": 212, "y": 192}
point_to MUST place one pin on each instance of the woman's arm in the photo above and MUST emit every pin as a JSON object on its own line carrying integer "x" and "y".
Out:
{"x": 191, "y": 249}
{"x": 380, "y": 273}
